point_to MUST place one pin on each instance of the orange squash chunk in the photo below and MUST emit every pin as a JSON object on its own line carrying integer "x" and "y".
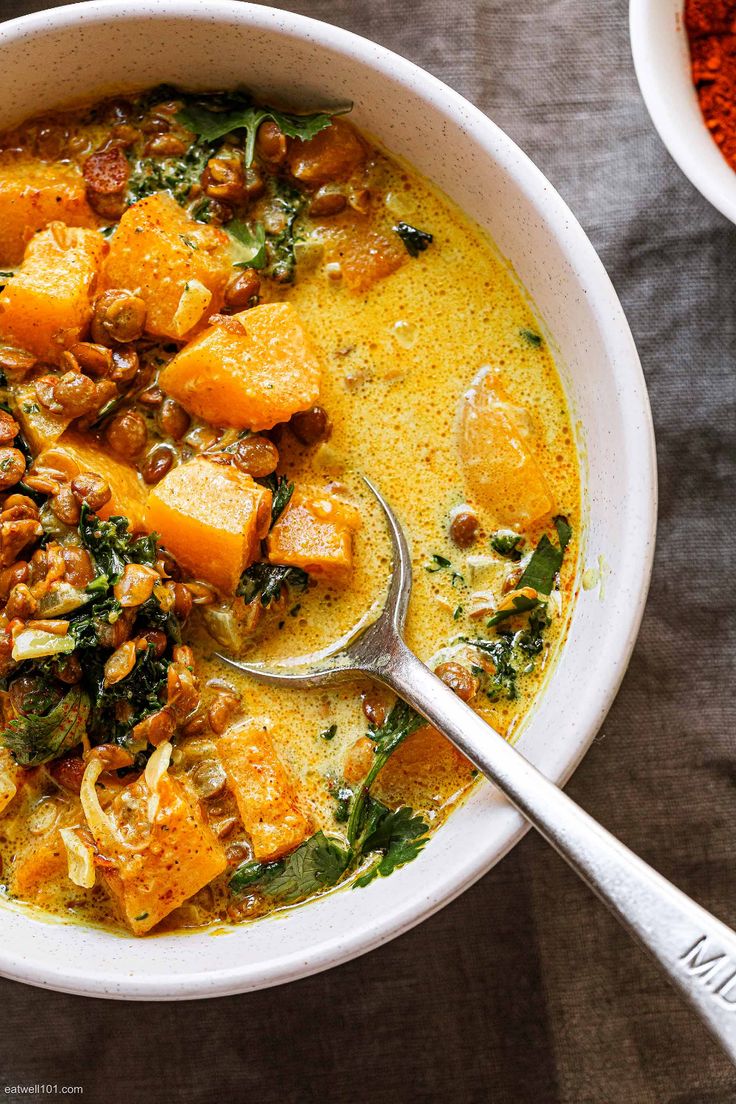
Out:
{"x": 497, "y": 451}
{"x": 264, "y": 791}
{"x": 365, "y": 255}
{"x": 47, "y": 305}
{"x": 73, "y": 454}
{"x": 179, "y": 267}
{"x": 250, "y": 380}
{"x": 425, "y": 762}
{"x": 41, "y": 427}
{"x": 212, "y": 518}
{"x": 33, "y": 194}
{"x": 334, "y": 154}
{"x": 182, "y": 856}
{"x": 315, "y": 532}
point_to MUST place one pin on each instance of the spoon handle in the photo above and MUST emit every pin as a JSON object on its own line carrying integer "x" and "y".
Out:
{"x": 696, "y": 951}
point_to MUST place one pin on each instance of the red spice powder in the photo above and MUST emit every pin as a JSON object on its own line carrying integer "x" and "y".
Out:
{"x": 711, "y": 30}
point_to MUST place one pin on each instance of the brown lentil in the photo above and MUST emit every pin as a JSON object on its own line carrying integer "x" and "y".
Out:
{"x": 119, "y": 316}
{"x": 242, "y": 290}
{"x": 90, "y": 488}
{"x": 271, "y": 143}
{"x": 65, "y": 506}
{"x": 310, "y": 426}
{"x": 75, "y": 393}
{"x": 158, "y": 462}
{"x": 95, "y": 360}
{"x": 257, "y": 456}
{"x": 172, "y": 419}
{"x": 459, "y": 679}
{"x": 12, "y": 467}
{"x": 9, "y": 428}
{"x": 464, "y": 528}
{"x": 126, "y": 433}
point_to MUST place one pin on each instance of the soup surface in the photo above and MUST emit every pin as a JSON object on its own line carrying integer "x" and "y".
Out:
{"x": 216, "y": 316}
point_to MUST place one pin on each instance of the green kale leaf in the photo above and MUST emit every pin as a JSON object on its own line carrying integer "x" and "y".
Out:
{"x": 546, "y": 559}
{"x": 264, "y": 580}
{"x": 415, "y": 241}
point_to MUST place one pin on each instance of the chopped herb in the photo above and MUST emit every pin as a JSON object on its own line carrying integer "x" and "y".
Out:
{"x": 249, "y": 244}
{"x": 546, "y": 559}
{"x": 189, "y": 243}
{"x": 176, "y": 174}
{"x": 36, "y": 738}
{"x": 211, "y": 125}
{"x": 415, "y": 241}
{"x": 265, "y": 581}
{"x": 441, "y": 563}
{"x": 30, "y": 408}
{"x": 457, "y": 613}
{"x": 531, "y": 338}
{"x": 329, "y": 733}
{"x": 506, "y": 543}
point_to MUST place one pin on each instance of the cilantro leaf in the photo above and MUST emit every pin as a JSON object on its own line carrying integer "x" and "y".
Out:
{"x": 400, "y": 835}
{"x": 415, "y": 241}
{"x": 211, "y": 125}
{"x": 546, "y": 559}
{"x": 34, "y": 739}
{"x": 249, "y": 245}
{"x": 316, "y": 864}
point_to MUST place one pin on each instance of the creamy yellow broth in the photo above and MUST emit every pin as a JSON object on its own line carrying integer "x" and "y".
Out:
{"x": 398, "y": 358}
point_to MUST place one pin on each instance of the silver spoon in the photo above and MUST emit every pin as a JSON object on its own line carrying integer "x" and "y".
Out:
{"x": 696, "y": 951}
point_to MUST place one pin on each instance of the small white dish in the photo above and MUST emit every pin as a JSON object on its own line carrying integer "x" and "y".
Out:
{"x": 78, "y": 52}
{"x": 662, "y": 61}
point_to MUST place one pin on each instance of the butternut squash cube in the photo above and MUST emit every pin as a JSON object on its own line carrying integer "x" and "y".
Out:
{"x": 33, "y": 194}
{"x": 72, "y": 454}
{"x": 41, "y": 427}
{"x": 365, "y": 255}
{"x": 497, "y": 451}
{"x": 182, "y": 855}
{"x": 315, "y": 532}
{"x": 264, "y": 791}
{"x": 179, "y": 267}
{"x": 251, "y": 379}
{"x": 47, "y": 305}
{"x": 212, "y": 518}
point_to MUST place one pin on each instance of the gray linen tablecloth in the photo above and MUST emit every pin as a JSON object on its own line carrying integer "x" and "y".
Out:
{"x": 524, "y": 991}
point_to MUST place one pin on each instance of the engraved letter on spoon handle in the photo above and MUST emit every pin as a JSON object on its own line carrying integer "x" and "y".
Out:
{"x": 696, "y": 951}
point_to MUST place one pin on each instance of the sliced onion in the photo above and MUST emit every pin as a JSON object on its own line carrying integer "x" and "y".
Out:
{"x": 8, "y": 777}
{"x": 36, "y": 643}
{"x": 80, "y": 859}
{"x": 103, "y": 828}
{"x": 156, "y": 768}
{"x": 193, "y": 302}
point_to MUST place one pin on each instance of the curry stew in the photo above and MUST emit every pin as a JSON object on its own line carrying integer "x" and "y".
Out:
{"x": 215, "y": 315}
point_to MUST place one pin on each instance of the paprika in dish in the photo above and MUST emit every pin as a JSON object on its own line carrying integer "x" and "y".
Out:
{"x": 711, "y": 31}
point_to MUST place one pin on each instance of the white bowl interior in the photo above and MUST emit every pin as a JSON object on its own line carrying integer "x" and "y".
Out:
{"x": 662, "y": 60}
{"x": 72, "y": 53}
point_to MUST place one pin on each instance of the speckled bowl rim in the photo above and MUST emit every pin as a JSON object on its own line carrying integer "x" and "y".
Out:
{"x": 444, "y": 870}
{"x": 661, "y": 54}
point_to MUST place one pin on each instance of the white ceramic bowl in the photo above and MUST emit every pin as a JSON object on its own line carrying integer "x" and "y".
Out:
{"x": 662, "y": 61}
{"x": 75, "y": 52}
